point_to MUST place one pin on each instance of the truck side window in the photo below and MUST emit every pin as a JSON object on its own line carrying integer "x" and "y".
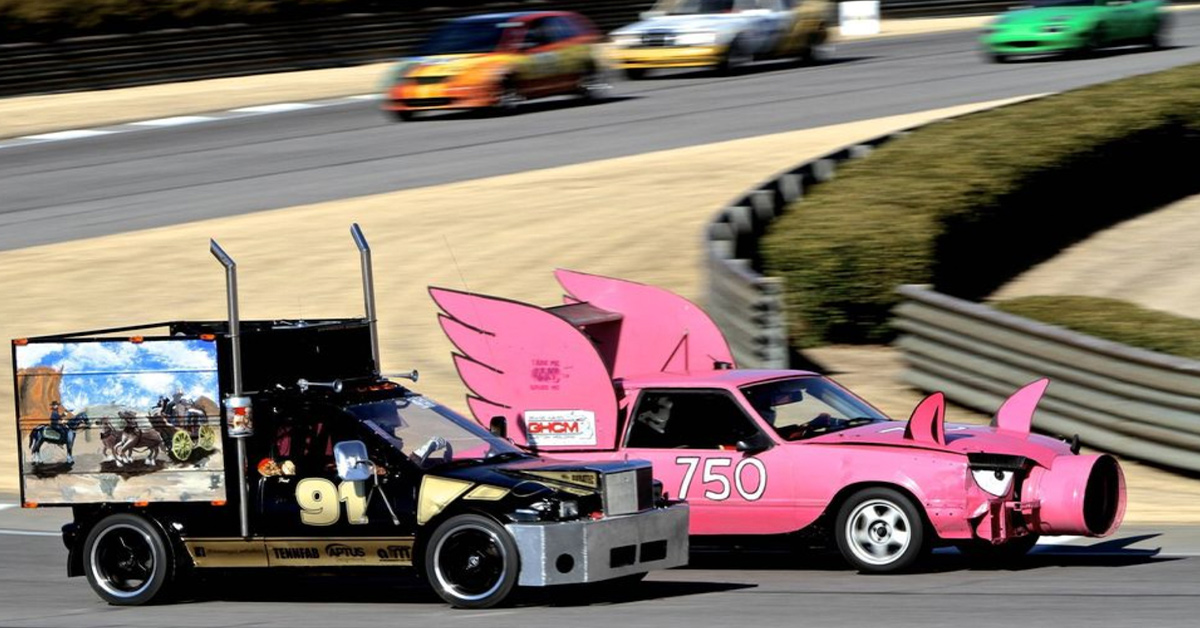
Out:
{"x": 688, "y": 420}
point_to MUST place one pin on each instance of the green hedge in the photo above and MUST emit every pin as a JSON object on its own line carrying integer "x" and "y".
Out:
{"x": 968, "y": 203}
{"x": 1114, "y": 320}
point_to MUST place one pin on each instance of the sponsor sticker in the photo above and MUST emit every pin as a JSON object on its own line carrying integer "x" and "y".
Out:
{"x": 556, "y": 428}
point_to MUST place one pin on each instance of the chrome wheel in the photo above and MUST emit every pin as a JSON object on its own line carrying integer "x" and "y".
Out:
{"x": 472, "y": 562}
{"x": 879, "y": 531}
{"x": 123, "y": 560}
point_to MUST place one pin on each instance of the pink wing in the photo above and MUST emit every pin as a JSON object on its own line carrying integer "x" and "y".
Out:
{"x": 531, "y": 367}
{"x": 1015, "y": 415}
{"x": 659, "y": 330}
{"x": 927, "y": 425}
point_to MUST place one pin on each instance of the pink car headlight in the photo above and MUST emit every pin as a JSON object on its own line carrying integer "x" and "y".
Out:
{"x": 1082, "y": 495}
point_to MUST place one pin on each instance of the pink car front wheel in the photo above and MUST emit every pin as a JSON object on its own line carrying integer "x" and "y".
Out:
{"x": 880, "y": 530}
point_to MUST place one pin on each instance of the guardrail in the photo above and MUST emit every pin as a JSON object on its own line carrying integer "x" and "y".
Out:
{"x": 747, "y": 305}
{"x": 1118, "y": 398}
{"x": 107, "y": 61}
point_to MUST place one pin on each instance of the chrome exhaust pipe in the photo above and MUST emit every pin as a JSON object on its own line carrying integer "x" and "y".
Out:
{"x": 235, "y": 345}
{"x": 368, "y": 280}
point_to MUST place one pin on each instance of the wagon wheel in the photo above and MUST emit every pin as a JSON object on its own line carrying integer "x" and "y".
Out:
{"x": 181, "y": 445}
{"x": 208, "y": 438}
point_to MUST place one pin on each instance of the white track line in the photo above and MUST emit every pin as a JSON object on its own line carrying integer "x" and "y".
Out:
{"x": 278, "y": 108}
{"x": 67, "y": 135}
{"x": 1058, "y": 540}
{"x": 7, "y": 506}
{"x": 173, "y": 121}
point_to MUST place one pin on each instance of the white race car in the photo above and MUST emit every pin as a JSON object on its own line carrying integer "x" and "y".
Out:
{"x": 721, "y": 34}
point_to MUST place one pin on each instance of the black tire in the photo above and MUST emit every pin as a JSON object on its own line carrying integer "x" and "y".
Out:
{"x": 635, "y": 74}
{"x": 508, "y": 98}
{"x": 592, "y": 85}
{"x": 986, "y": 554}
{"x": 403, "y": 116}
{"x": 734, "y": 60}
{"x": 880, "y": 530}
{"x": 472, "y": 562}
{"x": 1097, "y": 39}
{"x": 1155, "y": 40}
{"x": 996, "y": 57}
{"x": 818, "y": 50}
{"x": 127, "y": 561}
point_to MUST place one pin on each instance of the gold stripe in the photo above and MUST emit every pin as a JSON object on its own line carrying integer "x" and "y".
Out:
{"x": 437, "y": 493}
{"x": 301, "y": 552}
{"x": 589, "y": 479}
{"x": 487, "y": 493}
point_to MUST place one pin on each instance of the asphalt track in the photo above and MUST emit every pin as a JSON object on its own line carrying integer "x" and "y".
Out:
{"x": 89, "y": 187}
{"x": 1143, "y": 576}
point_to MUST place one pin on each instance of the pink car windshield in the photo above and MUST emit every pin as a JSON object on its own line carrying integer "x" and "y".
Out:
{"x": 804, "y": 407}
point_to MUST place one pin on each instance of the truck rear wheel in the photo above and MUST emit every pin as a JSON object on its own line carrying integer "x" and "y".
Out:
{"x": 127, "y": 561}
{"x": 472, "y": 562}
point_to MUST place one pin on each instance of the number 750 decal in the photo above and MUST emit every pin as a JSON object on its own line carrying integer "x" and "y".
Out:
{"x": 711, "y": 475}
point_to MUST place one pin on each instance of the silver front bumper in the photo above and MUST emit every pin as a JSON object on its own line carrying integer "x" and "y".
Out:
{"x": 591, "y": 551}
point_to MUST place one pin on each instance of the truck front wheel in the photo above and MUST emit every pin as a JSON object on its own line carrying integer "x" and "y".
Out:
{"x": 127, "y": 561}
{"x": 472, "y": 562}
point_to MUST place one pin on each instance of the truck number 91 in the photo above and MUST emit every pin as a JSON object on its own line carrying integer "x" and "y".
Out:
{"x": 724, "y": 489}
{"x": 320, "y": 502}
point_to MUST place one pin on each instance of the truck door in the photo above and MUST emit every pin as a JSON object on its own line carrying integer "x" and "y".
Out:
{"x": 692, "y": 437}
{"x": 299, "y": 493}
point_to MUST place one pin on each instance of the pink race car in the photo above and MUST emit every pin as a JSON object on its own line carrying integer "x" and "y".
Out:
{"x": 624, "y": 370}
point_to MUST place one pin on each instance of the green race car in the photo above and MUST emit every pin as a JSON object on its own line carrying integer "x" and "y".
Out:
{"x": 1074, "y": 26}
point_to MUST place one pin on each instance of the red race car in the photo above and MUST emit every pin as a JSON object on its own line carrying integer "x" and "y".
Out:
{"x": 498, "y": 61}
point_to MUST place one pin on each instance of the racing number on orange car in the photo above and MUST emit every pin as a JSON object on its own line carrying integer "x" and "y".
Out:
{"x": 320, "y": 502}
{"x": 725, "y": 488}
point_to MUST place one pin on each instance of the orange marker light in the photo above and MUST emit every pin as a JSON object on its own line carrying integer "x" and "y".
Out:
{"x": 141, "y": 504}
{"x": 29, "y": 505}
{"x": 137, "y": 340}
{"x": 218, "y": 502}
{"x": 21, "y": 342}
{"x": 208, "y": 337}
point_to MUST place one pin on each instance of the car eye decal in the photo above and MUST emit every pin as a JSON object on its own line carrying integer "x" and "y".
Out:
{"x": 993, "y": 481}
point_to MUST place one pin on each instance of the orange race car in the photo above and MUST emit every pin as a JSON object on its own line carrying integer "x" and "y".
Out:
{"x": 498, "y": 61}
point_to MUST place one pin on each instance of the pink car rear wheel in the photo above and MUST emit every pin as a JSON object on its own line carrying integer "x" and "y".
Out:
{"x": 880, "y": 530}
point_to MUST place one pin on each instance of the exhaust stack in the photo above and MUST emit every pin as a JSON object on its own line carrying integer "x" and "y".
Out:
{"x": 368, "y": 279}
{"x": 235, "y": 398}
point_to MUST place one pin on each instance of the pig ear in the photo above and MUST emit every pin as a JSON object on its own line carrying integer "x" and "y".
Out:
{"x": 1015, "y": 416}
{"x": 927, "y": 423}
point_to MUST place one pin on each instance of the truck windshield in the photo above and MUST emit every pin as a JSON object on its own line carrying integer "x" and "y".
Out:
{"x": 428, "y": 433}
{"x": 803, "y": 407}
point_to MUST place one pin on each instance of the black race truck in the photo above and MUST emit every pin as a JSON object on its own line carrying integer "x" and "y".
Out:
{"x": 188, "y": 446}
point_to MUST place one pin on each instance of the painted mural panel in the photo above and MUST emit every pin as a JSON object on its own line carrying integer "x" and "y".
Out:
{"x": 119, "y": 421}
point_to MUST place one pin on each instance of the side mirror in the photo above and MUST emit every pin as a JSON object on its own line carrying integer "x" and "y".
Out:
{"x": 753, "y": 445}
{"x": 498, "y": 427}
{"x": 353, "y": 462}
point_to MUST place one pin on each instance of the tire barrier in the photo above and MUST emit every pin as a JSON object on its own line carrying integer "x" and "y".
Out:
{"x": 745, "y": 304}
{"x": 1117, "y": 398}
